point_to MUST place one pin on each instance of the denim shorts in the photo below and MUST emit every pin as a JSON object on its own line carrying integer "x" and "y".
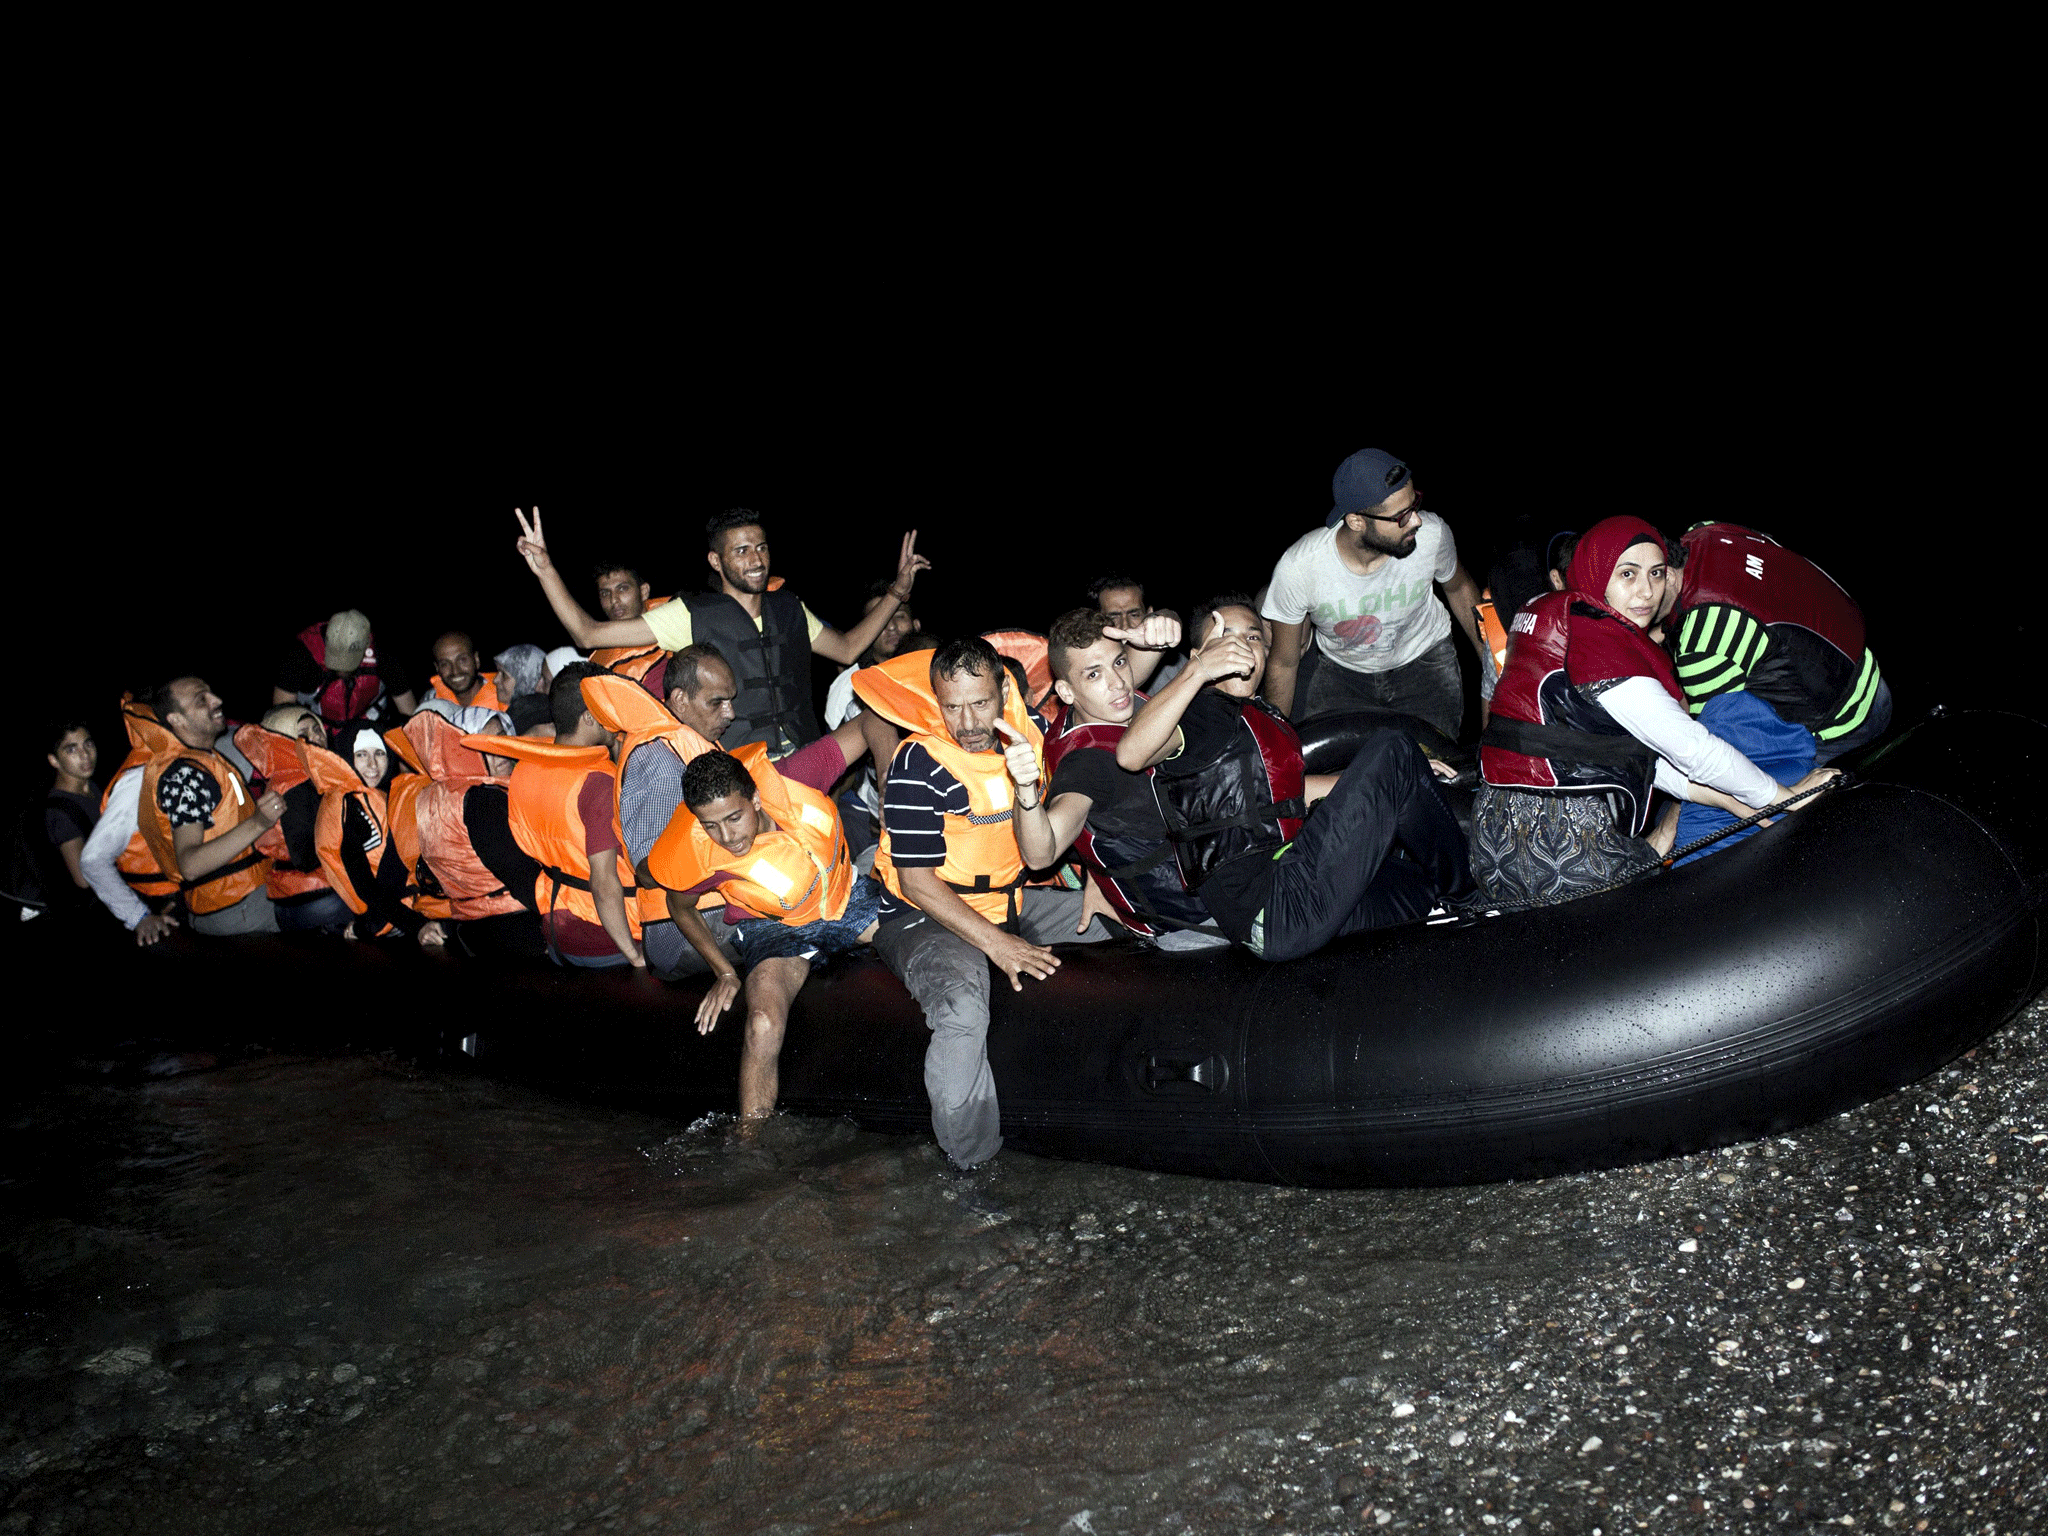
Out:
{"x": 764, "y": 938}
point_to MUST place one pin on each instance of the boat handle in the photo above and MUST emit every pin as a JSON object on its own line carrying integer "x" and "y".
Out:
{"x": 1164, "y": 1071}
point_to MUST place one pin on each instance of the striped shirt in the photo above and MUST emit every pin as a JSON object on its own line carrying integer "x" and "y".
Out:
{"x": 1718, "y": 647}
{"x": 916, "y": 800}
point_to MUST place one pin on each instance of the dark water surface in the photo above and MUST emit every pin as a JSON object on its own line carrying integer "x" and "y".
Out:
{"x": 346, "y": 1295}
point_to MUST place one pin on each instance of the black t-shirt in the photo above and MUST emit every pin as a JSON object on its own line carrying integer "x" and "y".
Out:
{"x": 67, "y": 816}
{"x": 1121, "y": 804}
{"x": 1237, "y": 889}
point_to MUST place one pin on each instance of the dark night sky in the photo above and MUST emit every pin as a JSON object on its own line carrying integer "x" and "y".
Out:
{"x": 1028, "y": 464}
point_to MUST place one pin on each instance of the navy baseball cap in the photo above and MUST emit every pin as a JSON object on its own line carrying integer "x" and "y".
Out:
{"x": 1364, "y": 480}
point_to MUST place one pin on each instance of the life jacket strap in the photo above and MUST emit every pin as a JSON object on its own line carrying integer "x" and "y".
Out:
{"x": 1251, "y": 820}
{"x": 1566, "y": 744}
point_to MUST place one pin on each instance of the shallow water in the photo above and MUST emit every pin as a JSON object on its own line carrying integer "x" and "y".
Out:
{"x": 347, "y": 1294}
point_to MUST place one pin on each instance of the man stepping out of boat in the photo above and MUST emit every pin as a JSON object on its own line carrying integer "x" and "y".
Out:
{"x": 1231, "y": 787}
{"x": 773, "y": 847}
{"x": 955, "y": 879}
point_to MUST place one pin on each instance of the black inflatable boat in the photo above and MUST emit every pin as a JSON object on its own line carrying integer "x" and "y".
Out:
{"x": 1843, "y": 952}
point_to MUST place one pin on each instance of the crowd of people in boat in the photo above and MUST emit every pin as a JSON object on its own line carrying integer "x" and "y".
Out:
{"x": 660, "y": 793}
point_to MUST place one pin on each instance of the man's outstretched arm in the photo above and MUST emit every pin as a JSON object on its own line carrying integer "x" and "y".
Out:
{"x": 586, "y": 633}
{"x": 851, "y": 645}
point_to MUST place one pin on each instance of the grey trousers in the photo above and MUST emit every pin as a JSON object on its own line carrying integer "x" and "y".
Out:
{"x": 252, "y": 914}
{"x": 949, "y": 977}
{"x": 1427, "y": 688}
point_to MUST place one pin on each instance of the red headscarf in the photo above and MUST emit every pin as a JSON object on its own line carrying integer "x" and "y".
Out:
{"x": 1612, "y": 646}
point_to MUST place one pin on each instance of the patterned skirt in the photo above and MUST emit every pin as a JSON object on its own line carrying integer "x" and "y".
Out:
{"x": 1540, "y": 849}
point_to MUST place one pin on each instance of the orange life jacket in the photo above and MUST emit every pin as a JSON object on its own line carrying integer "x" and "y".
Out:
{"x": 402, "y": 822}
{"x": 620, "y": 705}
{"x": 634, "y": 661}
{"x": 1028, "y": 649}
{"x": 798, "y": 869}
{"x": 1491, "y": 632}
{"x": 445, "y": 862}
{"x": 327, "y": 838}
{"x": 283, "y": 763}
{"x": 547, "y": 780}
{"x": 240, "y": 876}
{"x": 486, "y": 696}
{"x": 136, "y": 864}
{"x": 982, "y": 861}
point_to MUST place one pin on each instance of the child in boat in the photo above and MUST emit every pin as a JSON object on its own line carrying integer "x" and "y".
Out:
{"x": 1587, "y": 719}
{"x": 775, "y": 849}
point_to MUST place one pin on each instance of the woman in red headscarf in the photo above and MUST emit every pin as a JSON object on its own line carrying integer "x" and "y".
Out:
{"x": 1587, "y": 720}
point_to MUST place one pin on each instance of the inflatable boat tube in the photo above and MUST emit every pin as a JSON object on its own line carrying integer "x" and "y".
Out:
{"x": 1847, "y": 950}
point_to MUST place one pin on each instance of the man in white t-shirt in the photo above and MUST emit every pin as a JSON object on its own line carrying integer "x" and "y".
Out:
{"x": 1365, "y": 583}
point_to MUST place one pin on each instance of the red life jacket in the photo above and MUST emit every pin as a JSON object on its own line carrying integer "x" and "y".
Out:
{"x": 1140, "y": 878}
{"x": 1246, "y": 801}
{"x": 1814, "y": 667}
{"x": 1544, "y": 735}
{"x": 341, "y": 696}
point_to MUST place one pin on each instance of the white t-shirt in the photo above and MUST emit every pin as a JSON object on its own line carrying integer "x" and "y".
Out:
{"x": 1366, "y": 623}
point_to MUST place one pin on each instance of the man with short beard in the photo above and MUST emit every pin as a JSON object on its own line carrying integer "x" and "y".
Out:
{"x": 1363, "y": 583}
{"x": 459, "y": 674}
{"x": 199, "y": 817}
{"x": 763, "y": 630}
{"x": 950, "y": 863}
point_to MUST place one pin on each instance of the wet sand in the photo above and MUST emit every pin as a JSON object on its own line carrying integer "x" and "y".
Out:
{"x": 349, "y": 1295}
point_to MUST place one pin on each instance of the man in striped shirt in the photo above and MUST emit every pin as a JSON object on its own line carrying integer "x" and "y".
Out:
{"x": 1753, "y": 616}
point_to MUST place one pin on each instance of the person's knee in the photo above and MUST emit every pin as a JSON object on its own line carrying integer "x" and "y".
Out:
{"x": 765, "y": 1029}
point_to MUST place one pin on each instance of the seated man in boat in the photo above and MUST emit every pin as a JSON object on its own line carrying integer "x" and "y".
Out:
{"x": 560, "y": 801}
{"x": 652, "y": 744}
{"x": 1107, "y": 815}
{"x": 1749, "y": 615}
{"x": 198, "y": 815}
{"x": 622, "y": 595}
{"x": 459, "y": 676}
{"x": 773, "y": 847}
{"x": 756, "y": 624}
{"x": 1231, "y": 788}
{"x": 954, "y": 876}
{"x": 1121, "y": 602}
{"x": 1588, "y": 718}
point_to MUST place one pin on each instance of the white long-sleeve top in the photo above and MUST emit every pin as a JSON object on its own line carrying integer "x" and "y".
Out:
{"x": 1687, "y": 752}
{"x": 110, "y": 835}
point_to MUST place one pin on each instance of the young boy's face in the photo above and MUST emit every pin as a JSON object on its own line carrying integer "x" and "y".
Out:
{"x": 731, "y": 821}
